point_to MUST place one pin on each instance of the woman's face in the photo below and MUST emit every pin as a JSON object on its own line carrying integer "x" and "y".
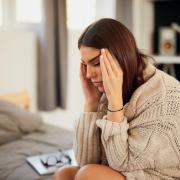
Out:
{"x": 90, "y": 57}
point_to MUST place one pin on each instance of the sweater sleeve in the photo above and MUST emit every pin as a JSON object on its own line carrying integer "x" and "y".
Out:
{"x": 146, "y": 146}
{"x": 115, "y": 141}
{"x": 86, "y": 144}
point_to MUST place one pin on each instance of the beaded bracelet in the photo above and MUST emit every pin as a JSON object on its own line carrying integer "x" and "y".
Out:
{"x": 116, "y": 110}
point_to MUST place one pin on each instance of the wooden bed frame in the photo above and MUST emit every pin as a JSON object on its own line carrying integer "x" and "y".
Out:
{"x": 19, "y": 98}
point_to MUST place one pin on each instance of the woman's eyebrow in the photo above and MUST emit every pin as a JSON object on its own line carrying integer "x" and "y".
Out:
{"x": 91, "y": 60}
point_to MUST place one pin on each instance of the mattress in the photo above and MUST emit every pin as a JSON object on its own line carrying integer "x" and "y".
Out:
{"x": 13, "y": 165}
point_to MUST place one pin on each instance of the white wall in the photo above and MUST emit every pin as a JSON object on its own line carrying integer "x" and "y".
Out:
{"x": 105, "y": 8}
{"x": 143, "y": 23}
{"x": 18, "y": 59}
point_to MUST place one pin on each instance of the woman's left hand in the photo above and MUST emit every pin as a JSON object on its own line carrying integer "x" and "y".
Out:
{"x": 112, "y": 76}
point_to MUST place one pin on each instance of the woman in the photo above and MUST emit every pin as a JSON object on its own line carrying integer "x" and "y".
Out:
{"x": 130, "y": 127}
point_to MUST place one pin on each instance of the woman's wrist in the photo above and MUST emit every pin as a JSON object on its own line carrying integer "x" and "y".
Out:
{"x": 115, "y": 110}
{"x": 116, "y": 116}
{"x": 91, "y": 106}
{"x": 115, "y": 106}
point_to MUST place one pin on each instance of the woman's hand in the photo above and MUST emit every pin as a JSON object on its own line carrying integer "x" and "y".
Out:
{"x": 112, "y": 75}
{"x": 91, "y": 93}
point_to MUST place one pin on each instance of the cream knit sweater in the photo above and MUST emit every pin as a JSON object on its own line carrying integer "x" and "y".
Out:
{"x": 146, "y": 144}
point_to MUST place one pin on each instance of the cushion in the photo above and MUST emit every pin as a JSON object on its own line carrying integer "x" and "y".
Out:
{"x": 7, "y": 136}
{"x": 15, "y": 121}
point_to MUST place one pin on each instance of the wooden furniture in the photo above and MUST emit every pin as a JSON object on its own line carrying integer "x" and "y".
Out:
{"x": 20, "y": 98}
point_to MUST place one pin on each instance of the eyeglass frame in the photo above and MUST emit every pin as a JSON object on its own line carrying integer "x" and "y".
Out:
{"x": 58, "y": 161}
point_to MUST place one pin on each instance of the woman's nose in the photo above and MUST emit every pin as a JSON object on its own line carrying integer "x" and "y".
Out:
{"x": 90, "y": 72}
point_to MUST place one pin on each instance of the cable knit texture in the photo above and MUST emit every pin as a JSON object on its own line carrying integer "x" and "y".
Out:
{"x": 146, "y": 144}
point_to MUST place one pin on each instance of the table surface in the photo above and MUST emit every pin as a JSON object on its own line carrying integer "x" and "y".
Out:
{"x": 167, "y": 59}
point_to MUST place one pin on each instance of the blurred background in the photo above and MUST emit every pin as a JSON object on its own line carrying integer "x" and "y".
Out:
{"x": 39, "y": 54}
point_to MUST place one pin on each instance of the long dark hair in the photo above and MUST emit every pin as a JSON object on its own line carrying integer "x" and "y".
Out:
{"x": 113, "y": 35}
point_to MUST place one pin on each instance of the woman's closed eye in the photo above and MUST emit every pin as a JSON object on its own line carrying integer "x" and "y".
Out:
{"x": 93, "y": 64}
{"x": 96, "y": 64}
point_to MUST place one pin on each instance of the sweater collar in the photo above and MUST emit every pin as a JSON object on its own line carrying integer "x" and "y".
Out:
{"x": 148, "y": 75}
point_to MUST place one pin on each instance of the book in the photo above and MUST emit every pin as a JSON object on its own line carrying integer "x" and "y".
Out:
{"x": 48, "y": 163}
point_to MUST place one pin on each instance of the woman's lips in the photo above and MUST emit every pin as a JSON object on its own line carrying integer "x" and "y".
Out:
{"x": 97, "y": 83}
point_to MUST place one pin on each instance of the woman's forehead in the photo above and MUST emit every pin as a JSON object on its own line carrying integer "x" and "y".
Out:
{"x": 88, "y": 53}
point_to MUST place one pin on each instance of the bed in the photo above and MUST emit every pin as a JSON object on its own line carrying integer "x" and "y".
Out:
{"x": 23, "y": 134}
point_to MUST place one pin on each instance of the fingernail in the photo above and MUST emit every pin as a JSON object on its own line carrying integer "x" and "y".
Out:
{"x": 102, "y": 50}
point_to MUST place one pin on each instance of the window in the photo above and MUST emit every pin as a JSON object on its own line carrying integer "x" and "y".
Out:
{"x": 80, "y": 13}
{"x": 1, "y": 13}
{"x": 29, "y": 11}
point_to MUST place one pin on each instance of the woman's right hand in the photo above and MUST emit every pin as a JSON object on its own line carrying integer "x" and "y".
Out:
{"x": 91, "y": 93}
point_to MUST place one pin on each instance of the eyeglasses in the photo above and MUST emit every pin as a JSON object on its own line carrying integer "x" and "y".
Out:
{"x": 56, "y": 160}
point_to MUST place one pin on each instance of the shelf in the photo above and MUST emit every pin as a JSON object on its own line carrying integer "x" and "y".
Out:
{"x": 167, "y": 59}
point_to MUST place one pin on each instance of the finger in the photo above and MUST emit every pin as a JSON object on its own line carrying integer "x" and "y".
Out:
{"x": 108, "y": 57}
{"x": 103, "y": 68}
{"x": 107, "y": 64}
{"x": 82, "y": 70}
{"x": 113, "y": 61}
